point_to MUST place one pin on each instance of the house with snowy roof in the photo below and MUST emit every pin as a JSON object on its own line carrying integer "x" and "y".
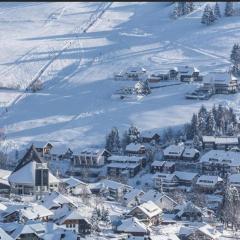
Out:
{"x": 75, "y": 186}
{"x": 180, "y": 152}
{"x": 185, "y": 73}
{"x": 76, "y": 222}
{"x": 166, "y": 203}
{"x": 209, "y": 184}
{"x": 149, "y": 136}
{"x": 186, "y": 178}
{"x": 32, "y": 176}
{"x": 173, "y": 152}
{"x": 163, "y": 167}
{"x": 132, "y": 198}
{"x": 220, "y": 142}
{"x": 55, "y": 200}
{"x": 90, "y": 157}
{"x": 199, "y": 231}
{"x": 125, "y": 165}
{"x": 220, "y": 162}
{"x": 114, "y": 189}
{"x": 188, "y": 212}
{"x": 26, "y": 212}
{"x": 148, "y": 212}
{"x": 190, "y": 154}
{"x": 221, "y": 82}
{"x": 165, "y": 181}
{"x": 36, "y": 230}
{"x": 137, "y": 149}
{"x": 135, "y": 73}
{"x": 133, "y": 226}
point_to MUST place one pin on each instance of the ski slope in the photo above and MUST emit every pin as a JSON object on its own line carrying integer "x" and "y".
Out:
{"x": 75, "y": 108}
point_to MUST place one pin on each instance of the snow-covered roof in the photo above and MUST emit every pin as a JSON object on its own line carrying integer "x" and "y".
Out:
{"x": 56, "y": 199}
{"x": 2, "y": 207}
{"x": 188, "y": 207}
{"x": 26, "y": 175}
{"x": 35, "y": 211}
{"x": 150, "y": 209}
{"x": 4, "y": 235}
{"x": 135, "y": 69}
{"x": 4, "y": 174}
{"x": 169, "y": 164}
{"x": 132, "y": 194}
{"x": 89, "y": 151}
{"x": 113, "y": 184}
{"x": 59, "y": 234}
{"x": 207, "y": 180}
{"x": 186, "y": 176}
{"x": 72, "y": 182}
{"x": 124, "y": 158}
{"x": 132, "y": 225}
{"x": 166, "y": 177}
{"x": 220, "y": 140}
{"x": 72, "y": 215}
{"x": 52, "y": 178}
{"x": 134, "y": 147}
{"x": 148, "y": 134}
{"x": 226, "y": 140}
{"x": 204, "y": 228}
{"x": 154, "y": 196}
{"x": 174, "y": 150}
{"x": 221, "y": 157}
{"x": 234, "y": 179}
{"x": 186, "y": 69}
{"x": 219, "y": 78}
{"x": 208, "y": 138}
{"x": 169, "y": 236}
{"x": 123, "y": 165}
{"x": 157, "y": 163}
{"x": 190, "y": 152}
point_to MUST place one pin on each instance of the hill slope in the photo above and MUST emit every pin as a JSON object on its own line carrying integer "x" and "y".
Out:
{"x": 75, "y": 107}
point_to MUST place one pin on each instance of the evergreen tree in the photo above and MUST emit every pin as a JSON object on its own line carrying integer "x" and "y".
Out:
{"x": 211, "y": 124}
{"x": 208, "y": 16}
{"x": 189, "y": 6}
{"x": 197, "y": 143}
{"x": 176, "y": 11}
{"x": 214, "y": 111}
{"x": 229, "y": 11}
{"x": 182, "y": 8}
{"x": 113, "y": 141}
{"x": 142, "y": 88}
{"x": 235, "y": 59}
{"x": 217, "y": 11}
{"x": 202, "y": 118}
{"x": 125, "y": 140}
{"x": 134, "y": 134}
{"x": 231, "y": 207}
{"x": 220, "y": 119}
{"x": 193, "y": 128}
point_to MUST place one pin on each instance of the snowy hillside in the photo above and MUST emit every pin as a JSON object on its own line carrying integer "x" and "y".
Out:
{"x": 75, "y": 107}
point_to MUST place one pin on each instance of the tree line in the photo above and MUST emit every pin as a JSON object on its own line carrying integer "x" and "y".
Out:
{"x": 217, "y": 121}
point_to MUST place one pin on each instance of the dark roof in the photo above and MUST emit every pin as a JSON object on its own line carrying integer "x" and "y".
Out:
{"x": 31, "y": 155}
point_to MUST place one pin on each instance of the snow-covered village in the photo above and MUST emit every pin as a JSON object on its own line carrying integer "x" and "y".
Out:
{"x": 120, "y": 120}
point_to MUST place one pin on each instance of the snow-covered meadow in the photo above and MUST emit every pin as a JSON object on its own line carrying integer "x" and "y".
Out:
{"x": 75, "y": 107}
